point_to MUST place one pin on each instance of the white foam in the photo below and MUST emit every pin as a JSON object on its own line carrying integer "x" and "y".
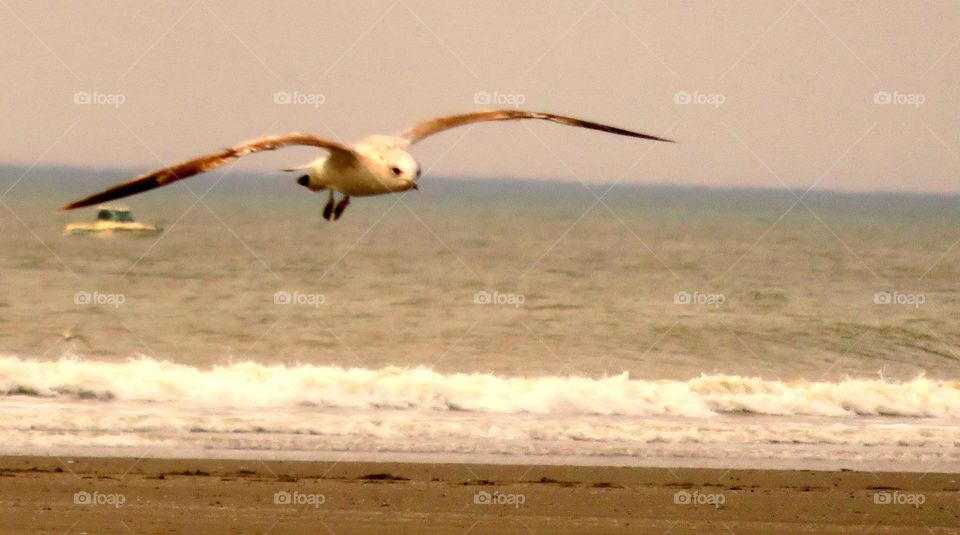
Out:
{"x": 250, "y": 384}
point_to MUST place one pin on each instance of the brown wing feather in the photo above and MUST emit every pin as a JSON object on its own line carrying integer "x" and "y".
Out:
{"x": 169, "y": 175}
{"x": 433, "y": 126}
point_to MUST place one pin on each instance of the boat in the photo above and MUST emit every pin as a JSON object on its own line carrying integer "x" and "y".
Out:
{"x": 111, "y": 219}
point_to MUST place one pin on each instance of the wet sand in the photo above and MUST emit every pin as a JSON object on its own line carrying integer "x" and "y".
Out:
{"x": 126, "y": 495}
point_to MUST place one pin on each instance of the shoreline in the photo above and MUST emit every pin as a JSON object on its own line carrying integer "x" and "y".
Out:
{"x": 690, "y": 460}
{"x": 147, "y": 495}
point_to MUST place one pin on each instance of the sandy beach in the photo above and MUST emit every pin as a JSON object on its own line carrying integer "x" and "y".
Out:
{"x": 126, "y": 495}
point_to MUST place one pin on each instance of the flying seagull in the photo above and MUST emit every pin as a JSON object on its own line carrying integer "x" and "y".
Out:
{"x": 374, "y": 165}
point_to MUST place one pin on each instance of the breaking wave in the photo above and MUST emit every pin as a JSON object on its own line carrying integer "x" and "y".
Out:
{"x": 250, "y": 384}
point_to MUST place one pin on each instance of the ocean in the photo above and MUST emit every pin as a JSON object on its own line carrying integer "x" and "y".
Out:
{"x": 494, "y": 319}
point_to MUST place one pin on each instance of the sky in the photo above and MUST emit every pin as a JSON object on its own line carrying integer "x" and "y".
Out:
{"x": 850, "y": 96}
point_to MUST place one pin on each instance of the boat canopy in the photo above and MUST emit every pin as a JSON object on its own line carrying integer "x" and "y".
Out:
{"x": 114, "y": 214}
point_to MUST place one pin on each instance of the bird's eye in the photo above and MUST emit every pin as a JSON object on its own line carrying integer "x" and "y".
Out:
{"x": 396, "y": 170}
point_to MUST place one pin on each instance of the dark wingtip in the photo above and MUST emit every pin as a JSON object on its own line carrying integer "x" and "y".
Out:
{"x": 657, "y": 138}
{"x": 88, "y": 201}
{"x": 117, "y": 192}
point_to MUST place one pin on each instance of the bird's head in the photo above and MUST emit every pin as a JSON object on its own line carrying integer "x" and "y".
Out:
{"x": 403, "y": 169}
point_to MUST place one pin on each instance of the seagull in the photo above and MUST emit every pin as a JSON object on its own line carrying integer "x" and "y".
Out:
{"x": 374, "y": 165}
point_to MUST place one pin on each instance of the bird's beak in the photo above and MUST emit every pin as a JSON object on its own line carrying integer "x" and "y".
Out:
{"x": 415, "y": 186}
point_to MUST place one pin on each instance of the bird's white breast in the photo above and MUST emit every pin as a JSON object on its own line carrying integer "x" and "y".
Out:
{"x": 369, "y": 176}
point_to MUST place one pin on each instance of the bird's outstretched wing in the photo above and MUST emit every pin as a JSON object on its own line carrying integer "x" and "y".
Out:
{"x": 169, "y": 175}
{"x": 439, "y": 124}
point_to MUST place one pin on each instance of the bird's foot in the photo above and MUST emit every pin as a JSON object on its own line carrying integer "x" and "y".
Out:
{"x": 328, "y": 209}
{"x": 341, "y": 206}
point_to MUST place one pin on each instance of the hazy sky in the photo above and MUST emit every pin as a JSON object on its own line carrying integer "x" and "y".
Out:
{"x": 856, "y": 95}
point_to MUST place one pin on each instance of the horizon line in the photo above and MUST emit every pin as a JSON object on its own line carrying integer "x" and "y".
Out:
{"x": 131, "y": 170}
